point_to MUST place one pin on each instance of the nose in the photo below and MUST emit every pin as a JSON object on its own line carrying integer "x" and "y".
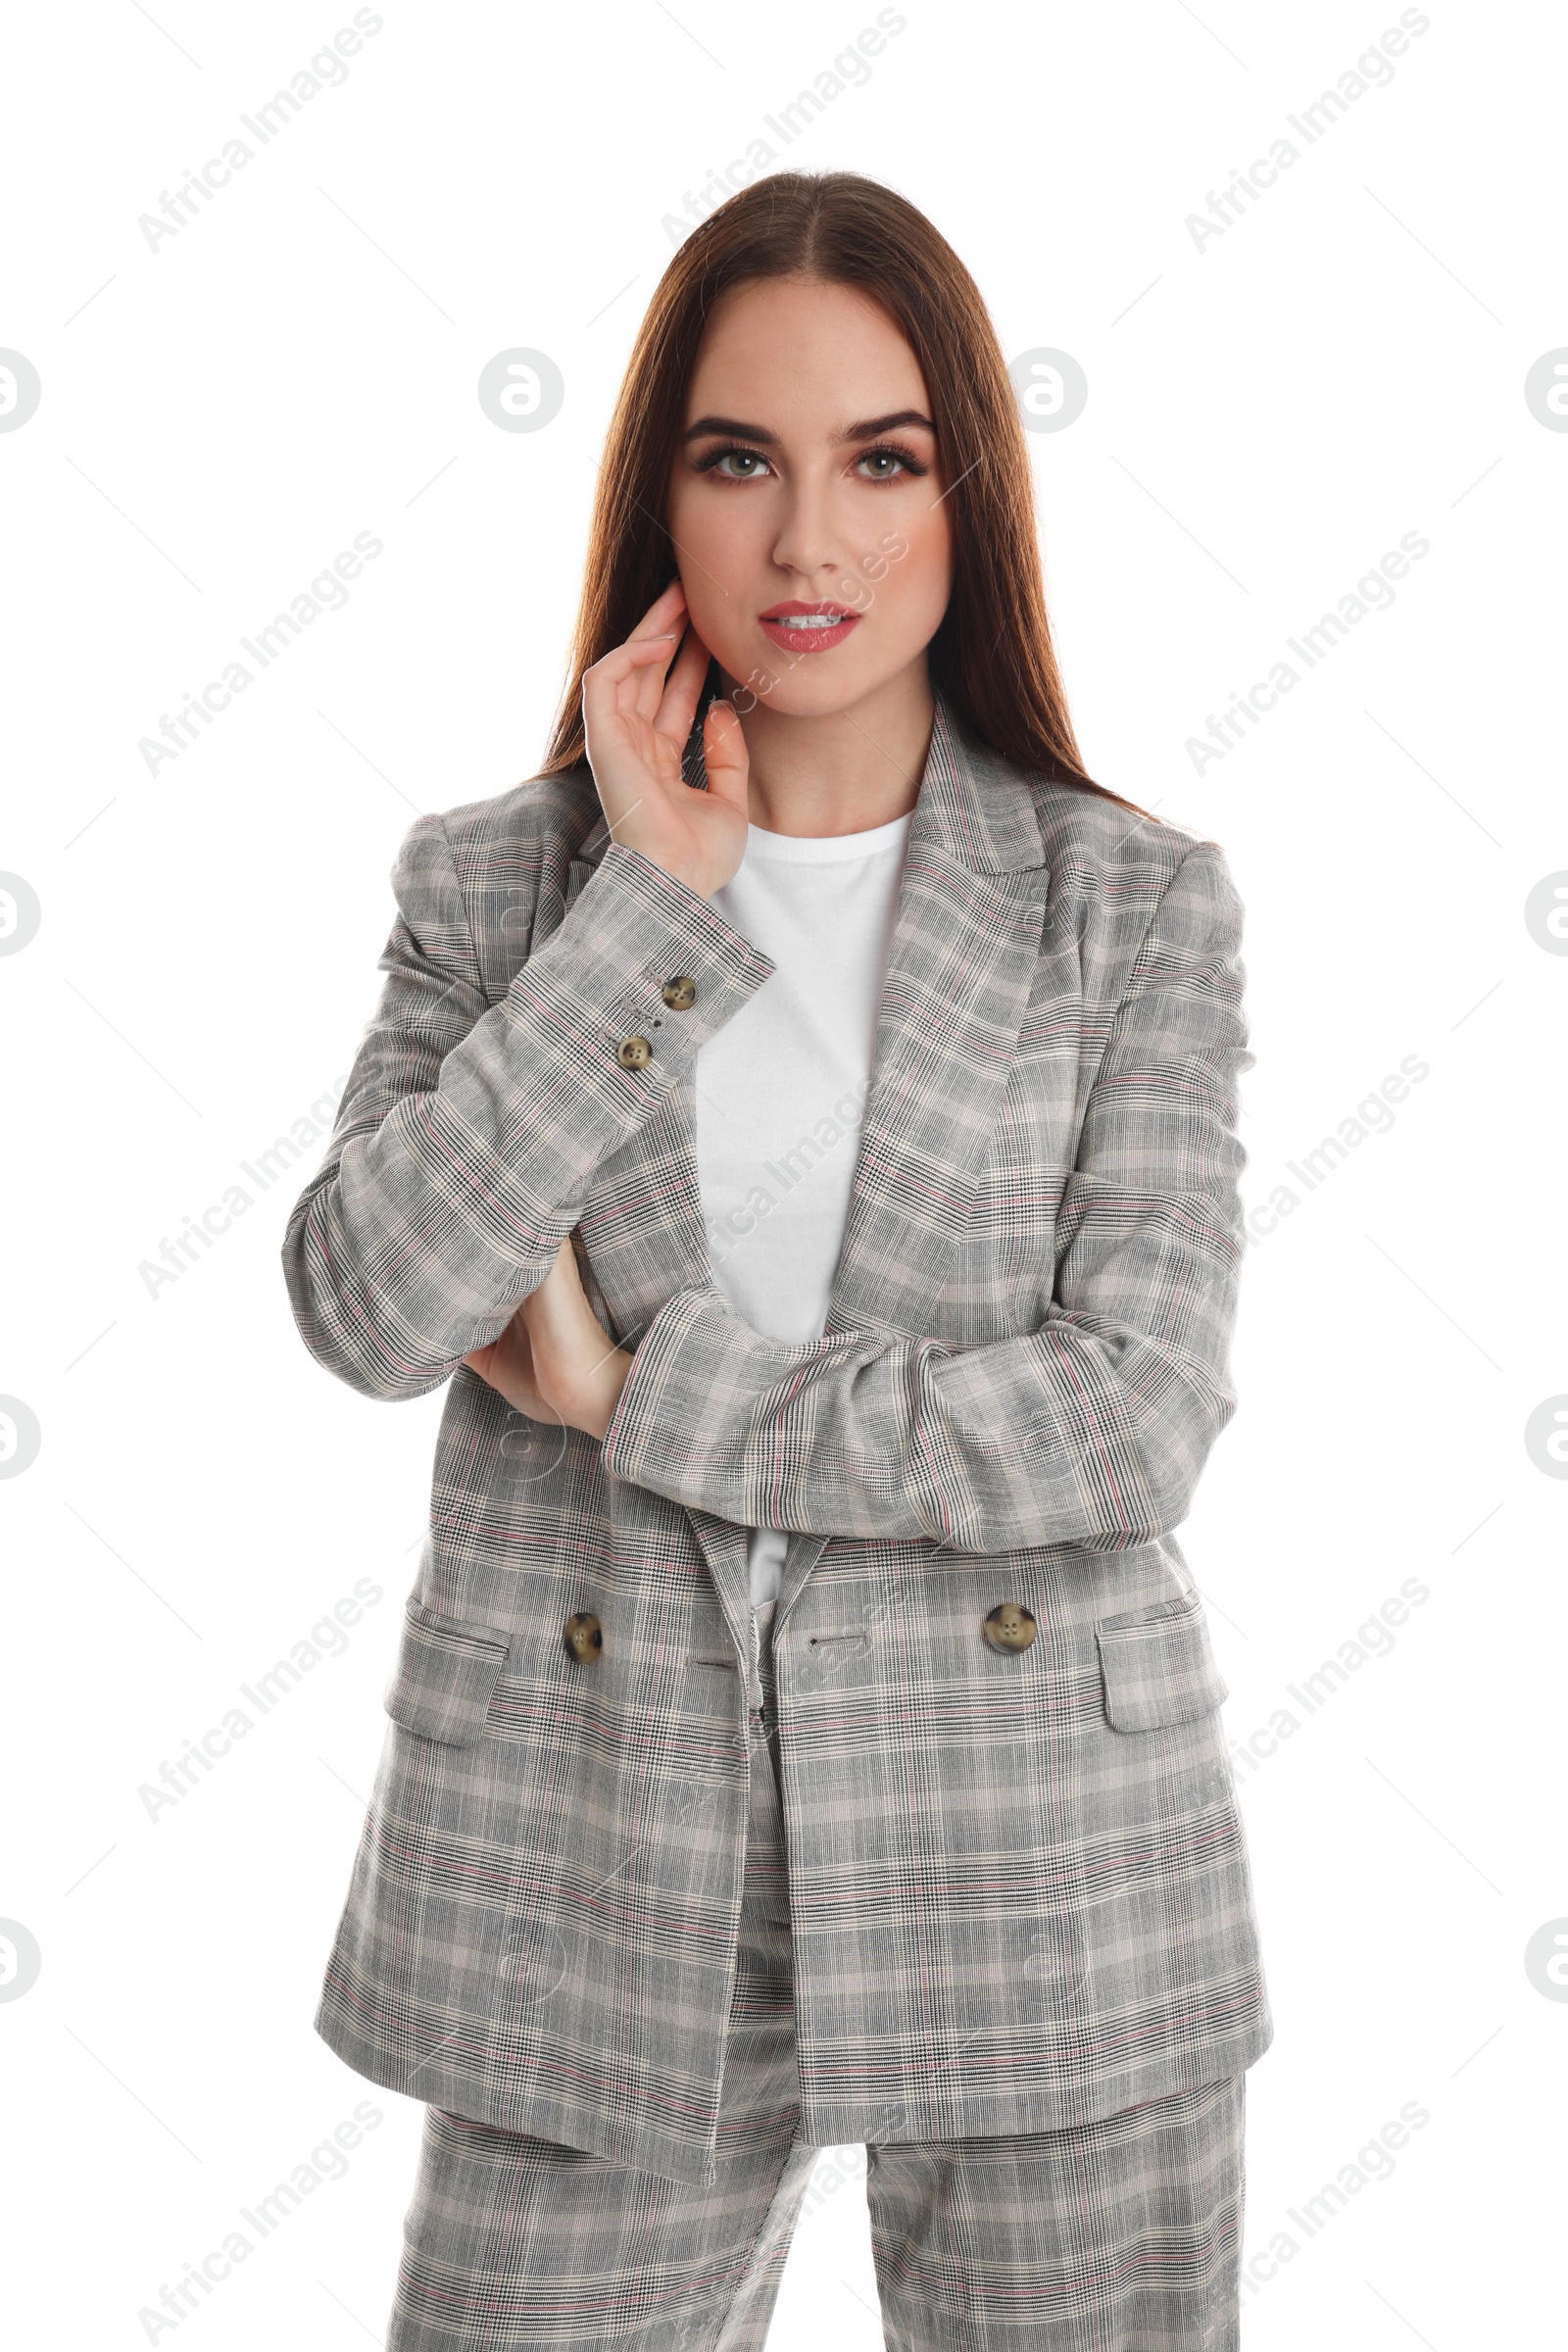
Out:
{"x": 808, "y": 542}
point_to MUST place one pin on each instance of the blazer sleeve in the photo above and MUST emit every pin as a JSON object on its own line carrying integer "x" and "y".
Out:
{"x": 1091, "y": 1429}
{"x": 470, "y": 1132}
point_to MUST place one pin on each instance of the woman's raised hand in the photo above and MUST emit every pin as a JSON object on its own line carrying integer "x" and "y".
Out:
{"x": 637, "y": 715}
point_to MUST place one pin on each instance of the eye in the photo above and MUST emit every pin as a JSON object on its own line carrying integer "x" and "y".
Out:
{"x": 717, "y": 461}
{"x": 890, "y": 459}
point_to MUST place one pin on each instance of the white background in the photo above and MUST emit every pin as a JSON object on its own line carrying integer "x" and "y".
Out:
{"x": 1267, "y": 415}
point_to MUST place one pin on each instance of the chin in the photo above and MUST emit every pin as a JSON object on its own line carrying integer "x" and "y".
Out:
{"x": 817, "y": 685}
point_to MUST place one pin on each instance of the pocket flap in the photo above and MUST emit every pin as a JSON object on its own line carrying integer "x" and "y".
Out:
{"x": 446, "y": 1674}
{"x": 1156, "y": 1665}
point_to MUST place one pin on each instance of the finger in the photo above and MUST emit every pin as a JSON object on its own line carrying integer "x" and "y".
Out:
{"x": 515, "y": 1342}
{"x": 623, "y": 661}
{"x": 654, "y": 683}
{"x": 683, "y": 688}
{"x": 666, "y": 611}
{"x": 610, "y": 690}
{"x": 542, "y": 1299}
{"x": 725, "y": 757}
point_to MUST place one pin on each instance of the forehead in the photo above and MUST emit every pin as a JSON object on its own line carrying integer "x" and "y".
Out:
{"x": 779, "y": 349}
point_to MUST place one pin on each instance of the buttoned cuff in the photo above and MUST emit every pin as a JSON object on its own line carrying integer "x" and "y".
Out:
{"x": 641, "y": 971}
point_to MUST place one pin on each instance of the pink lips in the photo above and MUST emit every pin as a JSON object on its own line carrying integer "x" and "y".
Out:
{"x": 810, "y": 634}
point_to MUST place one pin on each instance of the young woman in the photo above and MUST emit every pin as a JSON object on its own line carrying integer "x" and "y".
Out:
{"x": 800, "y": 1124}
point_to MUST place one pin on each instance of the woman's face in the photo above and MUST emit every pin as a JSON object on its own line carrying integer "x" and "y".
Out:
{"x": 804, "y": 499}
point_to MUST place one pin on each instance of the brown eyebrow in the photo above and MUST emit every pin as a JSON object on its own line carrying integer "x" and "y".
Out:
{"x": 866, "y": 431}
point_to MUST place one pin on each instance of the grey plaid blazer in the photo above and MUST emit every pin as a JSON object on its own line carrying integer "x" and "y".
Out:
{"x": 1018, "y": 1883}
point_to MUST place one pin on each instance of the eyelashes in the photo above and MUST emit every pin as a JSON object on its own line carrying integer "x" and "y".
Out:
{"x": 908, "y": 461}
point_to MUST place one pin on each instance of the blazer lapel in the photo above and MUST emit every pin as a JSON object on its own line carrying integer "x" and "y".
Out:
{"x": 964, "y": 952}
{"x": 962, "y": 957}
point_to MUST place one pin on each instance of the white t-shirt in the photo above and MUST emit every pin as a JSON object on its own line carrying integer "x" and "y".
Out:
{"x": 781, "y": 1087}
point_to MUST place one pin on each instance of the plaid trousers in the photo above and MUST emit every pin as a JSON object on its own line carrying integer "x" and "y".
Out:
{"x": 1121, "y": 2234}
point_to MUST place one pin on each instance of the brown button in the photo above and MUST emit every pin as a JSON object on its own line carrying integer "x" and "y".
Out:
{"x": 585, "y": 1637}
{"x": 1009, "y": 1625}
{"x": 634, "y": 1053}
{"x": 681, "y": 991}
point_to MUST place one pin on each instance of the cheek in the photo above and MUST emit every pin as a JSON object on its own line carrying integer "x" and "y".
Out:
{"x": 715, "y": 548}
{"x": 918, "y": 582}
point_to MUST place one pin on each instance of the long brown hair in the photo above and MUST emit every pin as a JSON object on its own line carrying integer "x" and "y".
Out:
{"x": 991, "y": 655}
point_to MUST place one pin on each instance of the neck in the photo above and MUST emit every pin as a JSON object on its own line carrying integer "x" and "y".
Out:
{"x": 846, "y": 771}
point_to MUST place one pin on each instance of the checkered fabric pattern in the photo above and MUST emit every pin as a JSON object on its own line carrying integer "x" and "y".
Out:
{"x": 1020, "y": 1893}
{"x": 1117, "y": 2235}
